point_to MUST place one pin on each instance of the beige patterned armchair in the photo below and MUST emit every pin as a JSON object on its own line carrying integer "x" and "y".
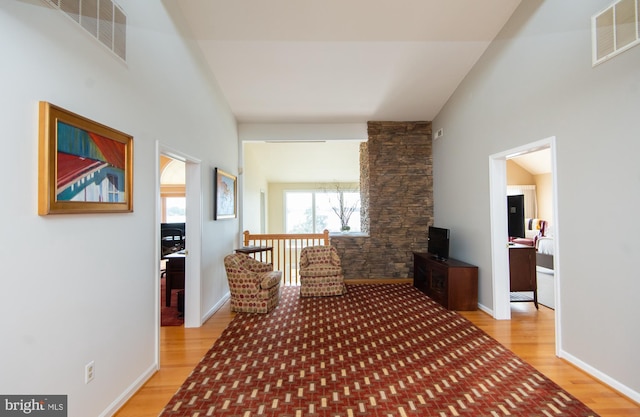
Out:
{"x": 254, "y": 285}
{"x": 320, "y": 272}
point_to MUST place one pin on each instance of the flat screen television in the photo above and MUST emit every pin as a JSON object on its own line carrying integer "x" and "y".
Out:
{"x": 515, "y": 215}
{"x": 438, "y": 243}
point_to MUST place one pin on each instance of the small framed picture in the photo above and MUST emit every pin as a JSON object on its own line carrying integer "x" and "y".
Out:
{"x": 83, "y": 166}
{"x": 225, "y": 193}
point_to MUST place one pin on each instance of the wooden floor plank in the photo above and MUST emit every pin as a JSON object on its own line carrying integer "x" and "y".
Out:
{"x": 530, "y": 334}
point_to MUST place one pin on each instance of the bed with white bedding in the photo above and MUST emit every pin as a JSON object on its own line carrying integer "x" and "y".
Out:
{"x": 545, "y": 271}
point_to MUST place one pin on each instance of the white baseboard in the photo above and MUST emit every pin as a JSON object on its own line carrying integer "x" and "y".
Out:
{"x": 217, "y": 306}
{"x": 142, "y": 379}
{"x": 129, "y": 392}
{"x": 606, "y": 379}
{"x": 485, "y": 309}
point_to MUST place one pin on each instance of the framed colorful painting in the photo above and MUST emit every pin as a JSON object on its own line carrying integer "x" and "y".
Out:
{"x": 225, "y": 195}
{"x": 83, "y": 166}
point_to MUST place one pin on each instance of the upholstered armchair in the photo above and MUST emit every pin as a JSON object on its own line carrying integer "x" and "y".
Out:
{"x": 320, "y": 272}
{"x": 254, "y": 285}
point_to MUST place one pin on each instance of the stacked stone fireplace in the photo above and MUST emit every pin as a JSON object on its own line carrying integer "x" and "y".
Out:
{"x": 396, "y": 185}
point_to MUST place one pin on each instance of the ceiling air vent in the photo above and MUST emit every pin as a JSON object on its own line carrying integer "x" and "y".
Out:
{"x": 615, "y": 29}
{"x": 102, "y": 19}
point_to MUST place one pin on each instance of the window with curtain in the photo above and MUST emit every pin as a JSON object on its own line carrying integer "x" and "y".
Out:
{"x": 530, "y": 203}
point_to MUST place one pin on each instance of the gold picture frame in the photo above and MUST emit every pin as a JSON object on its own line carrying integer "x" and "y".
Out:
{"x": 225, "y": 204}
{"x": 83, "y": 166}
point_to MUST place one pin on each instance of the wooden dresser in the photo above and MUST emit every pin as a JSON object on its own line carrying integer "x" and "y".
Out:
{"x": 522, "y": 273}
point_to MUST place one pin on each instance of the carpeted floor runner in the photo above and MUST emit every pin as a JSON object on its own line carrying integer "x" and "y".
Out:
{"x": 379, "y": 350}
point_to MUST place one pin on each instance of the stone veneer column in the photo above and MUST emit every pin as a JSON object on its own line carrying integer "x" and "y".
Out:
{"x": 364, "y": 188}
{"x": 396, "y": 181}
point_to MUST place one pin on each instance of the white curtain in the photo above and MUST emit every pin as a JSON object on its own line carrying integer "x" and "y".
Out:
{"x": 530, "y": 203}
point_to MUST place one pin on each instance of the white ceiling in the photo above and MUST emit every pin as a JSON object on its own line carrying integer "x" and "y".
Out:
{"x": 174, "y": 173}
{"x": 536, "y": 163}
{"x": 341, "y": 61}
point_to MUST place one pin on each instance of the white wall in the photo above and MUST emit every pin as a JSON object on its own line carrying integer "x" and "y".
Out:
{"x": 294, "y": 162}
{"x": 534, "y": 82}
{"x": 253, "y": 183}
{"x": 78, "y": 288}
{"x": 302, "y": 131}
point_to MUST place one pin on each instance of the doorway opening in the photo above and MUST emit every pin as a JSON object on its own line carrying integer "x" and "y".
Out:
{"x": 499, "y": 227}
{"x": 172, "y": 240}
{"x": 193, "y": 231}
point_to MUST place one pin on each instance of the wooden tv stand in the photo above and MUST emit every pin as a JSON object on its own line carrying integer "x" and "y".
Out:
{"x": 452, "y": 283}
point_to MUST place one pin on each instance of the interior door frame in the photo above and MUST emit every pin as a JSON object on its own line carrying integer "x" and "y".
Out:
{"x": 499, "y": 247}
{"x": 193, "y": 243}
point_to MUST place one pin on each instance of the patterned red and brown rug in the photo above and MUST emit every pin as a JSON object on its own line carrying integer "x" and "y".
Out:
{"x": 379, "y": 350}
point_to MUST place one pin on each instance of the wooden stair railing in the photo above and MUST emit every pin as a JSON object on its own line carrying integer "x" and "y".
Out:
{"x": 285, "y": 255}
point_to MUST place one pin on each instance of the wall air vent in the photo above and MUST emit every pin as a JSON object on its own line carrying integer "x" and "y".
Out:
{"x": 615, "y": 29}
{"x": 103, "y": 19}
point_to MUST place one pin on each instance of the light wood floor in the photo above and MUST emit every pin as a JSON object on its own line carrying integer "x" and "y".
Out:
{"x": 530, "y": 334}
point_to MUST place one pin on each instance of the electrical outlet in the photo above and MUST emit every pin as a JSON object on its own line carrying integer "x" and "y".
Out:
{"x": 89, "y": 372}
